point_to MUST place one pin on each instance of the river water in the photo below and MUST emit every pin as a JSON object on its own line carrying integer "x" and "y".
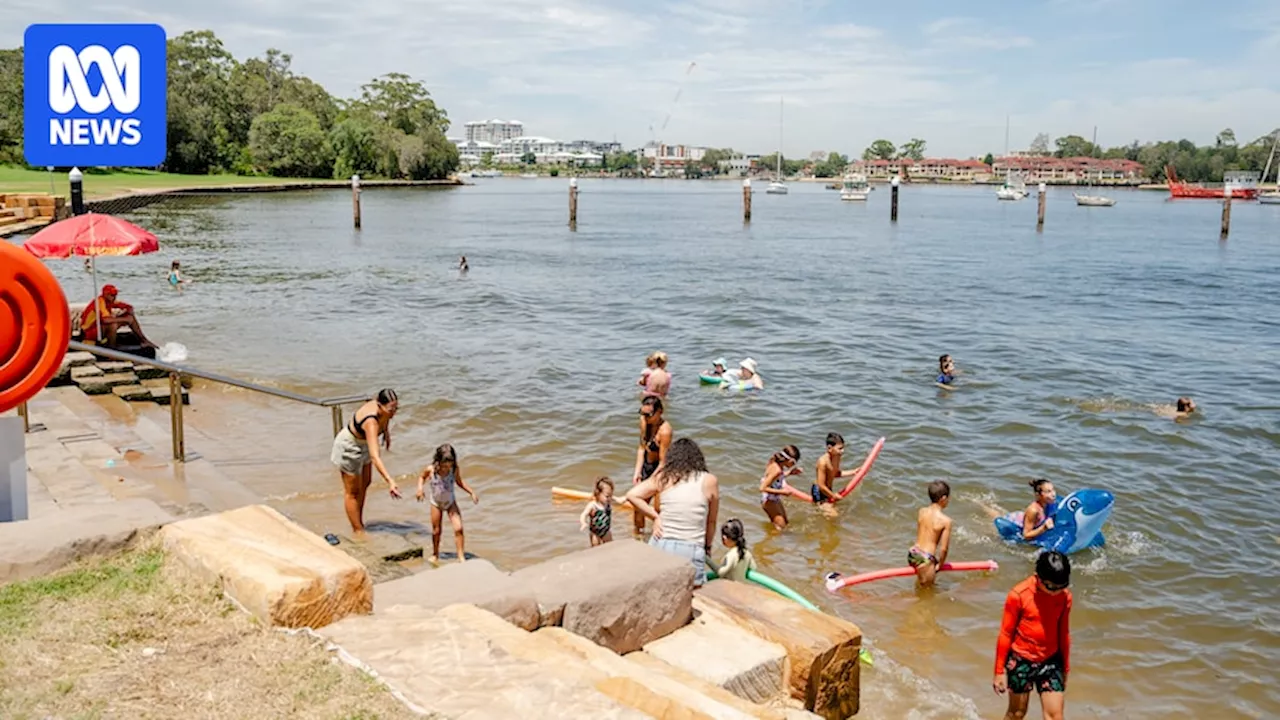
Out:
{"x": 1067, "y": 339}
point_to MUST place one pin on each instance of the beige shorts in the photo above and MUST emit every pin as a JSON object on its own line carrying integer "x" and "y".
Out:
{"x": 349, "y": 454}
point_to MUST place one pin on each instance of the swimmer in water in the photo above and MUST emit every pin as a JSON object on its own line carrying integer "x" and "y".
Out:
{"x": 598, "y": 517}
{"x": 175, "y": 275}
{"x": 655, "y": 380}
{"x": 462, "y": 263}
{"x": 933, "y": 535}
{"x": 773, "y": 484}
{"x": 1036, "y": 519}
{"x": 828, "y": 472}
{"x": 1185, "y": 407}
{"x": 946, "y": 370}
{"x": 748, "y": 376}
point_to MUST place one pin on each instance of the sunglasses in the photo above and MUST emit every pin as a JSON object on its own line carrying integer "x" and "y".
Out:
{"x": 1052, "y": 587}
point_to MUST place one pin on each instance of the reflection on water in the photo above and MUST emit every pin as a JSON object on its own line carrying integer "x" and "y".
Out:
{"x": 1067, "y": 341}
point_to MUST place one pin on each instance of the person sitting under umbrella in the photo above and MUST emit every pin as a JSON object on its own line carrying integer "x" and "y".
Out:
{"x": 110, "y": 314}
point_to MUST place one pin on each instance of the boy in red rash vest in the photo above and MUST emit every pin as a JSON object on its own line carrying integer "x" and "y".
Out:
{"x": 1034, "y": 647}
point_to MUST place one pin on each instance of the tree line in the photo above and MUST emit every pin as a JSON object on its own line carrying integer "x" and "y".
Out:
{"x": 258, "y": 117}
{"x": 1191, "y": 162}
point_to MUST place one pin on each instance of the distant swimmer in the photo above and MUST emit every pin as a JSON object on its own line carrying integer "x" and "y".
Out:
{"x": 1184, "y": 408}
{"x": 933, "y": 535}
{"x": 462, "y": 264}
{"x": 946, "y": 371}
{"x": 748, "y": 377}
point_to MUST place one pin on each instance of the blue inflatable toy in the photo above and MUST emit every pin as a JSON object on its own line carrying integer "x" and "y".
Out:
{"x": 1077, "y": 522}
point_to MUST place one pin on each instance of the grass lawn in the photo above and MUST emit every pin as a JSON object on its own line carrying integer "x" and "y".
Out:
{"x": 134, "y": 636}
{"x": 116, "y": 182}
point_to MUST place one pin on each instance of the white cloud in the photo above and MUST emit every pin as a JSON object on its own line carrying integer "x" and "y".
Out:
{"x": 593, "y": 69}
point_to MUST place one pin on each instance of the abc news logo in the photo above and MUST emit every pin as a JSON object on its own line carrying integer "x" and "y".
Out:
{"x": 95, "y": 95}
{"x": 69, "y": 89}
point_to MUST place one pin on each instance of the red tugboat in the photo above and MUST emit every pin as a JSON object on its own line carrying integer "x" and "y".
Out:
{"x": 1244, "y": 186}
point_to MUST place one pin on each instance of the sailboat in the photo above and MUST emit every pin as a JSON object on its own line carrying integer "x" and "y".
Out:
{"x": 1272, "y": 197}
{"x": 1012, "y": 189}
{"x": 1093, "y": 200}
{"x": 776, "y": 186}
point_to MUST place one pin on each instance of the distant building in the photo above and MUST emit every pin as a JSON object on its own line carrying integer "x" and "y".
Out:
{"x": 671, "y": 159}
{"x": 738, "y": 165}
{"x": 947, "y": 169}
{"x": 1070, "y": 171}
{"x": 493, "y": 131}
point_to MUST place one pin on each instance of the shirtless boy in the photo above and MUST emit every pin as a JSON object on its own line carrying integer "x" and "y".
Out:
{"x": 933, "y": 535}
{"x": 828, "y": 472}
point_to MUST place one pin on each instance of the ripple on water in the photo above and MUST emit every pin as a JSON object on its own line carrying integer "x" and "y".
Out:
{"x": 528, "y": 365}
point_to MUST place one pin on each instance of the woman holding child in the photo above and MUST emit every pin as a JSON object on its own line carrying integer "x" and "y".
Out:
{"x": 690, "y": 501}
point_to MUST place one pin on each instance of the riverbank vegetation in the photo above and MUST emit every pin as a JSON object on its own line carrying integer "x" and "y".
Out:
{"x": 259, "y": 117}
{"x": 129, "y": 635}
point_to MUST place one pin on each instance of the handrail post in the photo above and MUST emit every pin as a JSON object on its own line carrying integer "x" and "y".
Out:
{"x": 25, "y": 413}
{"x": 175, "y": 417}
{"x": 337, "y": 419}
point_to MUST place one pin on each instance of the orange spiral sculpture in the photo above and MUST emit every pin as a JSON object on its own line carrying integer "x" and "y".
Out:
{"x": 34, "y": 326}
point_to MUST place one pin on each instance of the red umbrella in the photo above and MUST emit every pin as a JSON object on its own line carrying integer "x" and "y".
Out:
{"x": 91, "y": 235}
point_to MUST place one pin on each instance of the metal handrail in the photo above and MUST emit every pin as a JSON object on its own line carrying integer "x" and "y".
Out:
{"x": 175, "y": 391}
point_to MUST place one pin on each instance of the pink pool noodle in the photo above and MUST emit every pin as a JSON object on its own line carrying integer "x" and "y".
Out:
{"x": 834, "y": 584}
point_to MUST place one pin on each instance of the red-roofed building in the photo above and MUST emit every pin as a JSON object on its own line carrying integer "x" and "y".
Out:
{"x": 1073, "y": 170}
{"x": 946, "y": 169}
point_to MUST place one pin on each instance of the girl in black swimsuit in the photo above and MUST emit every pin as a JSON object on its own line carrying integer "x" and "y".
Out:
{"x": 655, "y": 438}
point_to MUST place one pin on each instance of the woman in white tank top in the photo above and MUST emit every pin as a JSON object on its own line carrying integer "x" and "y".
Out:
{"x": 690, "y": 501}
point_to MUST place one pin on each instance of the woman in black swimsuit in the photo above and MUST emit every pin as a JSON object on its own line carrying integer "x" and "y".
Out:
{"x": 655, "y": 438}
{"x": 355, "y": 452}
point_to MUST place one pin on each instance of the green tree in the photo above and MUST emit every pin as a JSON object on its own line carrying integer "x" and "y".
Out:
{"x": 486, "y": 160}
{"x": 403, "y": 103}
{"x": 615, "y": 162}
{"x": 11, "y": 106}
{"x": 692, "y": 169}
{"x": 1226, "y": 138}
{"x": 288, "y": 141}
{"x": 913, "y": 149}
{"x": 1040, "y": 145}
{"x": 880, "y": 150}
{"x": 988, "y": 160}
{"x": 1073, "y": 146}
{"x": 528, "y": 158}
{"x": 355, "y": 146}
{"x": 834, "y": 166}
{"x": 199, "y": 106}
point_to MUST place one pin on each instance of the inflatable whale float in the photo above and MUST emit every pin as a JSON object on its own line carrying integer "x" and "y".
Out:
{"x": 1077, "y": 522}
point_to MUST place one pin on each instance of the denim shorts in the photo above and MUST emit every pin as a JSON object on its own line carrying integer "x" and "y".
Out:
{"x": 691, "y": 551}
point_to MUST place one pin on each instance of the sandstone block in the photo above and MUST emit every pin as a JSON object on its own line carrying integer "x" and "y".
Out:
{"x": 111, "y": 367}
{"x": 823, "y": 650}
{"x": 274, "y": 568}
{"x": 161, "y": 396}
{"x": 146, "y": 372}
{"x": 633, "y": 692}
{"x": 620, "y": 595}
{"x": 724, "y": 654}
{"x": 31, "y": 548}
{"x": 442, "y": 665}
{"x": 132, "y": 392}
{"x": 102, "y": 384}
{"x": 79, "y": 372}
{"x": 476, "y": 582}
{"x": 714, "y": 702}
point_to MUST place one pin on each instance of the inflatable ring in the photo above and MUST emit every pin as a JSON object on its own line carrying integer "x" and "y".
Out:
{"x": 35, "y": 326}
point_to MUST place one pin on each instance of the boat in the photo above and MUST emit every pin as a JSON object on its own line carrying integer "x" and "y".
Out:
{"x": 777, "y": 186}
{"x": 1272, "y": 197}
{"x": 1012, "y": 189}
{"x": 1093, "y": 200}
{"x": 1244, "y": 186}
{"x": 855, "y": 187}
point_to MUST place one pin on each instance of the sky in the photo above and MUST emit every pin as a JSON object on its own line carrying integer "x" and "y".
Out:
{"x": 809, "y": 75}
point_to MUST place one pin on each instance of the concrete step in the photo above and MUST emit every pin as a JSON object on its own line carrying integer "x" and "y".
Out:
{"x": 11, "y": 220}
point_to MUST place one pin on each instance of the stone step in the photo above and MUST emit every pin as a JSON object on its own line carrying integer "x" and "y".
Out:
{"x": 132, "y": 393}
{"x": 110, "y": 367}
{"x": 11, "y": 220}
{"x": 80, "y": 372}
{"x": 102, "y": 384}
{"x": 439, "y": 664}
{"x": 162, "y": 396}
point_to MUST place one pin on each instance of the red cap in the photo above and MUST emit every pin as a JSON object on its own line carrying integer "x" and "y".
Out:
{"x": 110, "y": 290}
